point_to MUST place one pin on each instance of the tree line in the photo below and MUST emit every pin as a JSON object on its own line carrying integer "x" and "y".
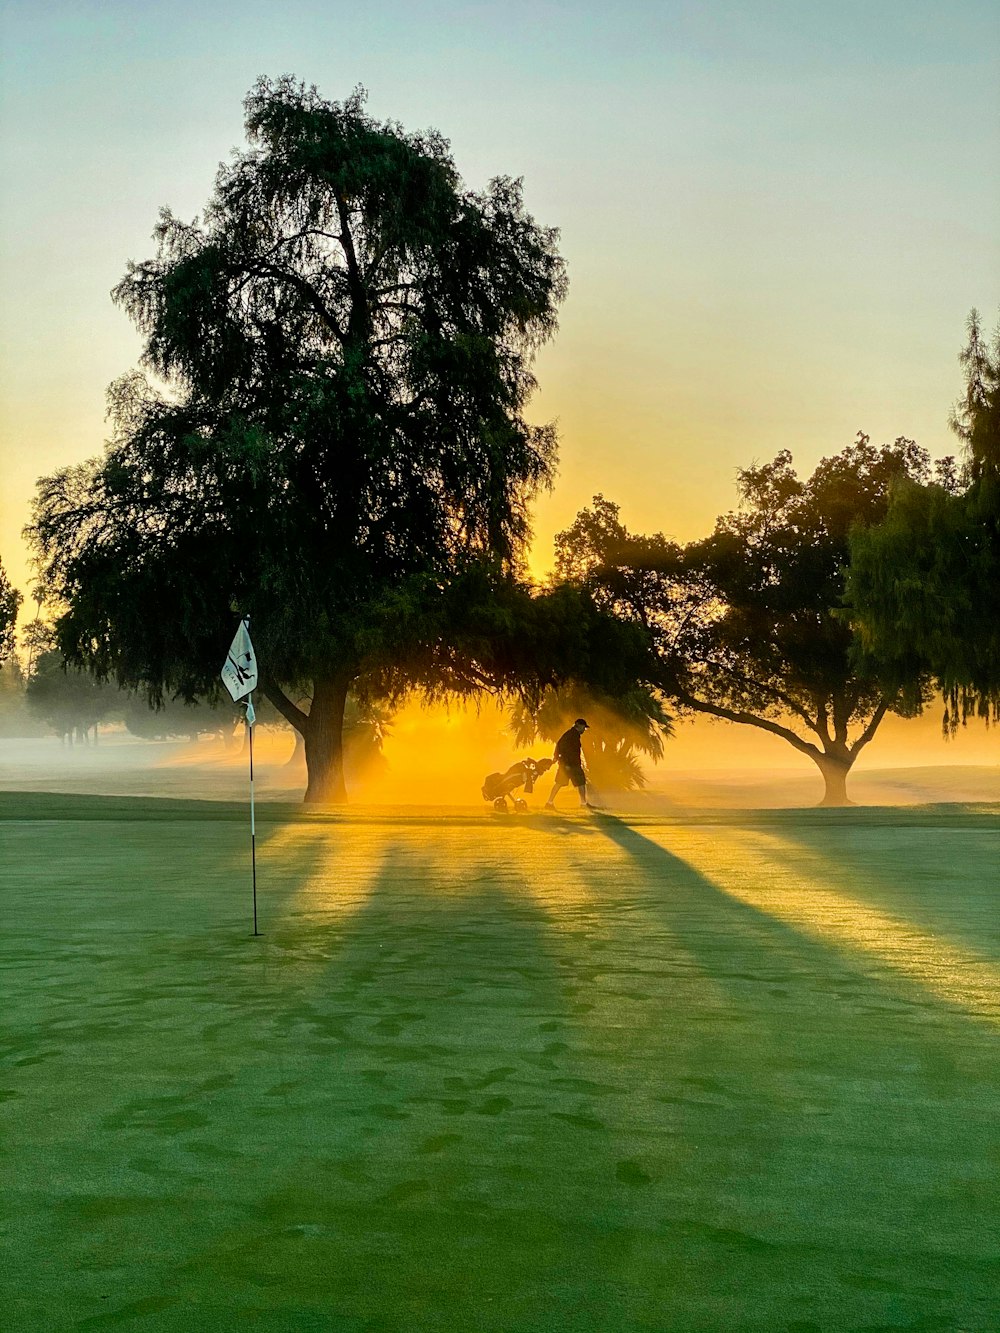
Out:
{"x": 329, "y": 433}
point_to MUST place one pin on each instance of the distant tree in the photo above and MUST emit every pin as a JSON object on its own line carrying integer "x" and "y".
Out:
{"x": 15, "y": 717}
{"x": 178, "y": 717}
{"x": 67, "y": 699}
{"x": 745, "y": 624}
{"x": 10, "y": 600}
{"x": 621, "y": 731}
{"x": 924, "y": 585}
{"x": 12, "y": 678}
{"x": 36, "y": 636}
{"x": 346, "y": 341}
{"x": 975, "y": 418}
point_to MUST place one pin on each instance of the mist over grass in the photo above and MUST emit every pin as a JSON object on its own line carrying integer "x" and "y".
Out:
{"x": 439, "y": 756}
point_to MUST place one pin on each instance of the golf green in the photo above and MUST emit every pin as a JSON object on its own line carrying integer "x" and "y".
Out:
{"x": 718, "y": 1072}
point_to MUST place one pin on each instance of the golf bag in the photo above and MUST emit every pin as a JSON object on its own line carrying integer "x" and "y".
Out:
{"x": 498, "y": 786}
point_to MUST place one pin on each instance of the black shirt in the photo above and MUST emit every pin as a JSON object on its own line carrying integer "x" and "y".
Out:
{"x": 568, "y": 748}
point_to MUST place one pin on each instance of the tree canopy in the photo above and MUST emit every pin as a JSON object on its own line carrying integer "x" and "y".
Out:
{"x": 924, "y": 585}
{"x": 335, "y": 437}
{"x": 745, "y": 625}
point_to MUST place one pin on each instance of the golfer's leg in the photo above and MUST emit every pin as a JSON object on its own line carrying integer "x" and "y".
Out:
{"x": 557, "y": 786}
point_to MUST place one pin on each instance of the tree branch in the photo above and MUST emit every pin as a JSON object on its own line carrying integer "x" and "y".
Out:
{"x": 395, "y": 287}
{"x": 293, "y": 715}
{"x": 841, "y": 719}
{"x": 822, "y": 727}
{"x": 871, "y": 728}
{"x": 354, "y": 278}
{"x": 283, "y": 242}
{"x": 307, "y": 290}
{"x": 784, "y": 699}
{"x": 748, "y": 719}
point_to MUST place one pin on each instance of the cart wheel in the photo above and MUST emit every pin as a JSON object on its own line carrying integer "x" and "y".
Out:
{"x": 521, "y": 806}
{"x": 500, "y": 803}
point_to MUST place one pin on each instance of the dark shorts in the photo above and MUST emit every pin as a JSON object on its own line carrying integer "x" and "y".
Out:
{"x": 571, "y": 773}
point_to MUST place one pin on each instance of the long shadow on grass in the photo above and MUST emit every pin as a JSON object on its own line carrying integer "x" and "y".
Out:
{"x": 762, "y": 945}
{"x": 724, "y": 1113}
{"x": 867, "y": 920}
{"x": 414, "y": 1145}
{"x": 843, "y": 1117}
{"x": 516, "y": 1086}
{"x": 938, "y": 872}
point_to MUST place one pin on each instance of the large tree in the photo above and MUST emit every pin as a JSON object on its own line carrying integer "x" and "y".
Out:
{"x": 343, "y": 349}
{"x": 924, "y": 585}
{"x": 745, "y": 624}
{"x": 10, "y": 601}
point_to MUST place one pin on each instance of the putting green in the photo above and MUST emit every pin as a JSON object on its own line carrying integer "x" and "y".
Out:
{"x": 723, "y": 1072}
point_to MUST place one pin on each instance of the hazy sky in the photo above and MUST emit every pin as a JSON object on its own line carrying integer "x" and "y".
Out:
{"x": 776, "y": 216}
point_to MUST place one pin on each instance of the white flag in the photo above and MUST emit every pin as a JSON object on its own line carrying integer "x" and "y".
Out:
{"x": 239, "y": 675}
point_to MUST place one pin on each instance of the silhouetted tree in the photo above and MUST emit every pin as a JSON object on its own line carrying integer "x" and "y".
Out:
{"x": 10, "y": 600}
{"x": 924, "y": 585}
{"x": 346, "y": 340}
{"x": 745, "y": 624}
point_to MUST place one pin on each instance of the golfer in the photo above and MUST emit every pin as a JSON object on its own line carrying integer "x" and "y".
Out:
{"x": 570, "y": 759}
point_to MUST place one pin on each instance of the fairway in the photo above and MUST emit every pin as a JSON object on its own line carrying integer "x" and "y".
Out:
{"x": 720, "y": 1071}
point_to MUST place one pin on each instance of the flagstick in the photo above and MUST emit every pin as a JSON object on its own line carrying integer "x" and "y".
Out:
{"x": 239, "y": 675}
{"x": 253, "y": 828}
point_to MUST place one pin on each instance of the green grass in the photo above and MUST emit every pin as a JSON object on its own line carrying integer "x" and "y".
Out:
{"x": 724, "y": 1072}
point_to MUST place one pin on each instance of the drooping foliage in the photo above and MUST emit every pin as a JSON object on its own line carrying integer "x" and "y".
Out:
{"x": 924, "y": 585}
{"x": 344, "y": 344}
{"x": 745, "y": 624}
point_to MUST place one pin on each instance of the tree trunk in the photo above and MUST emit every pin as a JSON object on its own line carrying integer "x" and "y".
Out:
{"x": 835, "y": 773}
{"x": 324, "y": 743}
{"x": 298, "y": 755}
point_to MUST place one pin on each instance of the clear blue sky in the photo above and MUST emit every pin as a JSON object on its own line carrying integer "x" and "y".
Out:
{"x": 776, "y": 216}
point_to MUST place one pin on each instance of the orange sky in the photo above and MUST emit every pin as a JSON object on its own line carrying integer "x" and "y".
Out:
{"x": 775, "y": 220}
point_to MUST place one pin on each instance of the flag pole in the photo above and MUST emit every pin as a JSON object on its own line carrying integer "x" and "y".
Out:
{"x": 253, "y": 826}
{"x": 239, "y": 675}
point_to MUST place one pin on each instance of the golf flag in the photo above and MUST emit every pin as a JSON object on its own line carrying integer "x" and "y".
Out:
{"x": 239, "y": 674}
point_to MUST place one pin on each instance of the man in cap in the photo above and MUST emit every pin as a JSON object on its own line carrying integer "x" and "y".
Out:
{"x": 570, "y": 759}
